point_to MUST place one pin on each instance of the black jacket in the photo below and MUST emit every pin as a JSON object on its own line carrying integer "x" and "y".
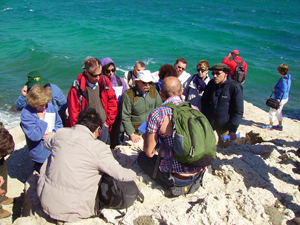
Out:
{"x": 224, "y": 110}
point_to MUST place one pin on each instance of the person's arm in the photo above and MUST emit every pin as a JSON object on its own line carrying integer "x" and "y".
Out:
{"x": 32, "y": 126}
{"x": 59, "y": 99}
{"x": 112, "y": 104}
{"x": 109, "y": 165}
{"x": 49, "y": 141}
{"x": 150, "y": 141}
{"x": 73, "y": 107}
{"x": 20, "y": 103}
{"x": 126, "y": 114}
{"x": 226, "y": 59}
{"x": 236, "y": 109}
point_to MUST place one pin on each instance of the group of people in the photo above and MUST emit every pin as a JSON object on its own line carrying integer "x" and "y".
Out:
{"x": 67, "y": 138}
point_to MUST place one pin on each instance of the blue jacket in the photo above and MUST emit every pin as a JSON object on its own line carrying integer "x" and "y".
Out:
{"x": 58, "y": 100}
{"x": 34, "y": 130}
{"x": 283, "y": 87}
{"x": 223, "y": 111}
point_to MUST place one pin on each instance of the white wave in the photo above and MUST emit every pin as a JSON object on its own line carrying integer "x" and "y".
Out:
{"x": 8, "y": 8}
{"x": 31, "y": 10}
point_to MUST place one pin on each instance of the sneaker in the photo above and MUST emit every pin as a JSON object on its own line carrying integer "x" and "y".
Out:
{"x": 7, "y": 201}
{"x": 269, "y": 127}
{"x": 278, "y": 127}
{"x": 4, "y": 213}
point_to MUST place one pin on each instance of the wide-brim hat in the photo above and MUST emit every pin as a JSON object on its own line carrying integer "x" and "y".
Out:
{"x": 145, "y": 76}
{"x": 221, "y": 66}
{"x": 84, "y": 61}
{"x": 235, "y": 52}
{"x": 35, "y": 77}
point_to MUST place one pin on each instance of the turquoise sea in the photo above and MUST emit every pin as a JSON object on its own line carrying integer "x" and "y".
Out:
{"x": 55, "y": 37}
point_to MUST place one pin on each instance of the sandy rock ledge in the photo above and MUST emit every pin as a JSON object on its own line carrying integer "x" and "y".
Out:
{"x": 247, "y": 184}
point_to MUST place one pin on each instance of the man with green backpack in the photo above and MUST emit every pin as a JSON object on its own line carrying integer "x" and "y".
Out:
{"x": 185, "y": 138}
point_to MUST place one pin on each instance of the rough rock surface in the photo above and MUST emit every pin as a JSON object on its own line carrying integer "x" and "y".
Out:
{"x": 247, "y": 184}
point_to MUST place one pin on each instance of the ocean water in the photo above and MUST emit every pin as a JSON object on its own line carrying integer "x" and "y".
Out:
{"x": 55, "y": 36}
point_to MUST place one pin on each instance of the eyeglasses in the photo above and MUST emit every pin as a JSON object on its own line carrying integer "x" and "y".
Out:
{"x": 147, "y": 82}
{"x": 216, "y": 73}
{"x": 108, "y": 71}
{"x": 202, "y": 71}
{"x": 94, "y": 75}
{"x": 179, "y": 67}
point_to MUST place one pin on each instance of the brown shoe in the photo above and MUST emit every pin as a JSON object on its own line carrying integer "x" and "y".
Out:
{"x": 4, "y": 213}
{"x": 7, "y": 201}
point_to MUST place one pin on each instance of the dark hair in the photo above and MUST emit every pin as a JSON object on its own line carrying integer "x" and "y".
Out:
{"x": 167, "y": 70}
{"x": 7, "y": 144}
{"x": 181, "y": 60}
{"x": 283, "y": 69}
{"x": 89, "y": 118}
{"x": 105, "y": 67}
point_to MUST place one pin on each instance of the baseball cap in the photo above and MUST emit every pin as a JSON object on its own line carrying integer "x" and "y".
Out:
{"x": 35, "y": 77}
{"x": 145, "y": 76}
{"x": 235, "y": 52}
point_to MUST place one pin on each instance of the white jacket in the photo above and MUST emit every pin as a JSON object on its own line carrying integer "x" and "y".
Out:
{"x": 191, "y": 93}
{"x": 69, "y": 178}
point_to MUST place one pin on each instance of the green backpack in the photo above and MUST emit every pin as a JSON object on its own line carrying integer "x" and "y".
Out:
{"x": 194, "y": 139}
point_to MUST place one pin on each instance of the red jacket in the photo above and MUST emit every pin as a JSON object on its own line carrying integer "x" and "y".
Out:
{"x": 107, "y": 96}
{"x": 232, "y": 64}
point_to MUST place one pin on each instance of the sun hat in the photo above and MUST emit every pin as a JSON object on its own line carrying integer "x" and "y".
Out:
{"x": 86, "y": 59}
{"x": 235, "y": 52}
{"x": 145, "y": 76}
{"x": 35, "y": 77}
{"x": 221, "y": 66}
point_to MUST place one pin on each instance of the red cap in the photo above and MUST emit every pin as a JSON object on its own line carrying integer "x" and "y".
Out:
{"x": 235, "y": 52}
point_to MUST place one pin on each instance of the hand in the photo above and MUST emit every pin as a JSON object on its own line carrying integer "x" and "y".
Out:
{"x": 41, "y": 115}
{"x": 229, "y": 55}
{"x": 232, "y": 136}
{"x": 24, "y": 90}
{"x": 46, "y": 134}
{"x": 1, "y": 181}
{"x": 273, "y": 88}
{"x": 2, "y": 192}
{"x": 134, "y": 137}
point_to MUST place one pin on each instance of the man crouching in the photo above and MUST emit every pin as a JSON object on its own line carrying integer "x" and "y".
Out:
{"x": 170, "y": 173}
{"x": 69, "y": 178}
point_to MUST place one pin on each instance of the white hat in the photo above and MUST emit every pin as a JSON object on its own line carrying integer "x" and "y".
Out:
{"x": 145, "y": 76}
{"x": 86, "y": 59}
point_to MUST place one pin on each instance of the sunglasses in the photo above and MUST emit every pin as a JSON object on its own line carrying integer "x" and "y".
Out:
{"x": 94, "y": 75}
{"x": 181, "y": 67}
{"x": 108, "y": 71}
{"x": 202, "y": 71}
{"x": 216, "y": 73}
{"x": 147, "y": 82}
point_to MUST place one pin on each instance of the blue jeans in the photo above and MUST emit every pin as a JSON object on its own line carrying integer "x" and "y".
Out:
{"x": 165, "y": 179}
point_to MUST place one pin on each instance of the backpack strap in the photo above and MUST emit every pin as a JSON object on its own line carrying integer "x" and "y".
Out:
{"x": 119, "y": 81}
{"x": 241, "y": 63}
{"x": 129, "y": 76}
{"x": 76, "y": 85}
{"x": 106, "y": 87}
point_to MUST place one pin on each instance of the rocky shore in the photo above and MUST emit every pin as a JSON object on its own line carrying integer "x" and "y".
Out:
{"x": 254, "y": 180}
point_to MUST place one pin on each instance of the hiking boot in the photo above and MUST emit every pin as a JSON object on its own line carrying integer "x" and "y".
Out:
{"x": 4, "y": 213}
{"x": 7, "y": 201}
{"x": 278, "y": 127}
{"x": 268, "y": 127}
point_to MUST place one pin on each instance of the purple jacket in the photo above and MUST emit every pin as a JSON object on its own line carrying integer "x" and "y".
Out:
{"x": 113, "y": 79}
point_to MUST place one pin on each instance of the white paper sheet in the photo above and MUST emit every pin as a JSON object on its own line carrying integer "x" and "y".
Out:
{"x": 118, "y": 91}
{"x": 50, "y": 119}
